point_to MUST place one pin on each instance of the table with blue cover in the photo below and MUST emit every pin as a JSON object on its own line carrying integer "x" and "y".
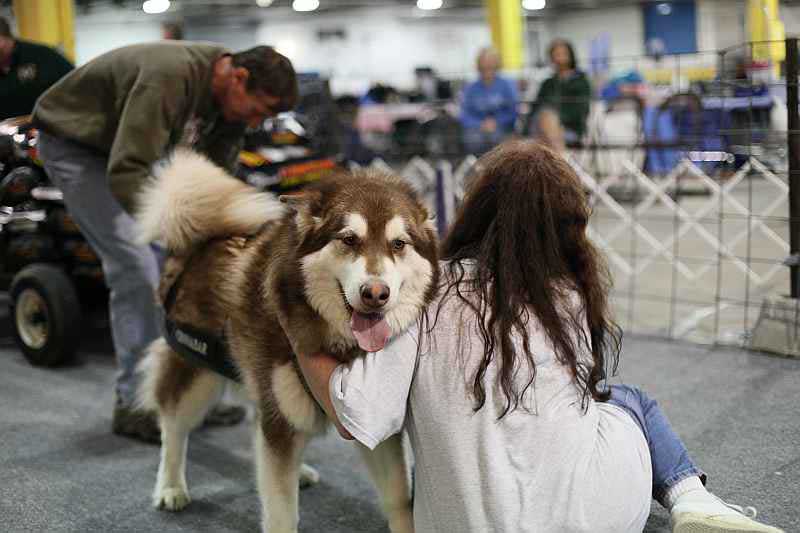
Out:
{"x": 741, "y": 119}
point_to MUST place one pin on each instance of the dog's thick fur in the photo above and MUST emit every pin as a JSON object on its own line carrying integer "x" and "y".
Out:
{"x": 278, "y": 278}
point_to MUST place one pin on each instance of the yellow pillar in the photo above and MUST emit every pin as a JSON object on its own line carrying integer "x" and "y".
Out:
{"x": 764, "y": 24}
{"x": 51, "y": 22}
{"x": 505, "y": 21}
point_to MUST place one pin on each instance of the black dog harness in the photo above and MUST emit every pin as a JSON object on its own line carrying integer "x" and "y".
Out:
{"x": 203, "y": 348}
{"x": 198, "y": 346}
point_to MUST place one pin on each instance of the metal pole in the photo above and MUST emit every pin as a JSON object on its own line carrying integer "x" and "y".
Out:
{"x": 793, "y": 140}
{"x": 441, "y": 203}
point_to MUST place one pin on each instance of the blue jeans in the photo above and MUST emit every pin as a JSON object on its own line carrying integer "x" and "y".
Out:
{"x": 477, "y": 142}
{"x": 131, "y": 270}
{"x": 669, "y": 457}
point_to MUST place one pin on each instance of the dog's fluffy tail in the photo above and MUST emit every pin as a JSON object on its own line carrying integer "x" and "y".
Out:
{"x": 190, "y": 200}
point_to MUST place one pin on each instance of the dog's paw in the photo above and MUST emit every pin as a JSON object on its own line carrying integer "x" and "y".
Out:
{"x": 171, "y": 499}
{"x": 308, "y": 476}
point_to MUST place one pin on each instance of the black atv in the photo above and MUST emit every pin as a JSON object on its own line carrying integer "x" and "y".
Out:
{"x": 51, "y": 273}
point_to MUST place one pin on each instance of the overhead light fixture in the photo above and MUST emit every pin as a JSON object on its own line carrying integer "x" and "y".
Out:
{"x": 305, "y": 5}
{"x": 153, "y": 7}
{"x": 664, "y": 8}
{"x": 429, "y": 4}
{"x": 264, "y": 3}
{"x": 534, "y": 5}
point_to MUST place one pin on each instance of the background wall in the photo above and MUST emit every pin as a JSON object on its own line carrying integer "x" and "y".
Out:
{"x": 670, "y": 28}
{"x": 624, "y": 23}
{"x": 385, "y": 44}
{"x": 105, "y": 29}
{"x": 236, "y": 36}
{"x": 790, "y": 15}
{"x": 721, "y": 24}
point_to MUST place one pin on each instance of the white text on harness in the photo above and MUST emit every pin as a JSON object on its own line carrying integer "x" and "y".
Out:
{"x": 191, "y": 342}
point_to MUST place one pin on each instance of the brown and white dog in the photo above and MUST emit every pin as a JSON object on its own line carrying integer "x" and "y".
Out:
{"x": 338, "y": 268}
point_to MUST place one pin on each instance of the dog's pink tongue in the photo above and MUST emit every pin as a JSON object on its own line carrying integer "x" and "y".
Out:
{"x": 371, "y": 331}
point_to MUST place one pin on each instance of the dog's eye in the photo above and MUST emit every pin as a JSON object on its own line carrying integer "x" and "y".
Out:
{"x": 398, "y": 245}
{"x": 350, "y": 240}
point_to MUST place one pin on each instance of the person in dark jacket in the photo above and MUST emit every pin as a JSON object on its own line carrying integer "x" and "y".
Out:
{"x": 103, "y": 127}
{"x": 26, "y": 71}
{"x": 563, "y": 101}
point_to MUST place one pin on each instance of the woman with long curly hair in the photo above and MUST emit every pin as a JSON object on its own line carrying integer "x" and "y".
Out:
{"x": 502, "y": 386}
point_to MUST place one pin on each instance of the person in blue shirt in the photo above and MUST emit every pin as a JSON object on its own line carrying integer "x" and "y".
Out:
{"x": 489, "y": 106}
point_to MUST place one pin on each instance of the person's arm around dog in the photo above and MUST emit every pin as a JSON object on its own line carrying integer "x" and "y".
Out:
{"x": 367, "y": 398}
{"x": 317, "y": 370}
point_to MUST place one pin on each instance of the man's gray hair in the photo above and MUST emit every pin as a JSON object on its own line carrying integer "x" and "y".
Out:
{"x": 489, "y": 51}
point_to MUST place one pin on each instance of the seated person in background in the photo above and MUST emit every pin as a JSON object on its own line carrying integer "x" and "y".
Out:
{"x": 629, "y": 85}
{"x": 563, "y": 101}
{"x": 489, "y": 106}
{"x": 26, "y": 71}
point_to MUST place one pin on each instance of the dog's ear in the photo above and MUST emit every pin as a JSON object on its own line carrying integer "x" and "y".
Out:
{"x": 430, "y": 224}
{"x": 307, "y": 206}
{"x": 303, "y": 200}
{"x": 426, "y": 220}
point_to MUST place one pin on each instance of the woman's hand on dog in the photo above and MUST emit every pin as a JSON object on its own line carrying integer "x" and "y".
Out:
{"x": 317, "y": 370}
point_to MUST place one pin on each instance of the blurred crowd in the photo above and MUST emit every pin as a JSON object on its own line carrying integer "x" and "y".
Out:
{"x": 567, "y": 108}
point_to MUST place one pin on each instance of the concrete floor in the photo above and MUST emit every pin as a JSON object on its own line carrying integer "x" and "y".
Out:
{"x": 62, "y": 470}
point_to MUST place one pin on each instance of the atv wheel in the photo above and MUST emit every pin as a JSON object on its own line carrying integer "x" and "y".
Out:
{"x": 46, "y": 314}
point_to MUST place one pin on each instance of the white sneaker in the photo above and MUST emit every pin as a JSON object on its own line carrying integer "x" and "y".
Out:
{"x": 696, "y": 513}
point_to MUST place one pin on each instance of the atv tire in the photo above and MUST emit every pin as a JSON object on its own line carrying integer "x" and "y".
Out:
{"x": 46, "y": 314}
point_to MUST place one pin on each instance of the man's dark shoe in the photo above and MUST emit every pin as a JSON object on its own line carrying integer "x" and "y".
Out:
{"x": 143, "y": 425}
{"x": 225, "y": 415}
{"x": 136, "y": 424}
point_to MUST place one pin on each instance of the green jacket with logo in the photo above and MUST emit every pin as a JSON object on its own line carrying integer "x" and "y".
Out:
{"x": 136, "y": 103}
{"x": 33, "y": 68}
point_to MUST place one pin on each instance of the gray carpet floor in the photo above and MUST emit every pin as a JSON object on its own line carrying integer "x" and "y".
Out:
{"x": 62, "y": 470}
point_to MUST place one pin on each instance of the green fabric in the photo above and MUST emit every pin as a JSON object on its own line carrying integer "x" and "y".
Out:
{"x": 136, "y": 103}
{"x": 570, "y": 97}
{"x": 32, "y": 70}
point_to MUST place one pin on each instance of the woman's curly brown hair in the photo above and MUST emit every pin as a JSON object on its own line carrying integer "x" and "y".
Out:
{"x": 519, "y": 247}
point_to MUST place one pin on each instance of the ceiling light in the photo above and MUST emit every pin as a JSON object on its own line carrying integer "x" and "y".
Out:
{"x": 305, "y": 5}
{"x": 534, "y": 5}
{"x": 429, "y": 4}
{"x": 664, "y": 8}
{"x": 153, "y": 7}
{"x": 264, "y": 3}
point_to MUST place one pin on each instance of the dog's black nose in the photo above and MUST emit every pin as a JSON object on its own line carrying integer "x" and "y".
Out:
{"x": 374, "y": 294}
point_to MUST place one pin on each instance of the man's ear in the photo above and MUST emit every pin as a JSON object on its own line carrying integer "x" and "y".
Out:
{"x": 242, "y": 75}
